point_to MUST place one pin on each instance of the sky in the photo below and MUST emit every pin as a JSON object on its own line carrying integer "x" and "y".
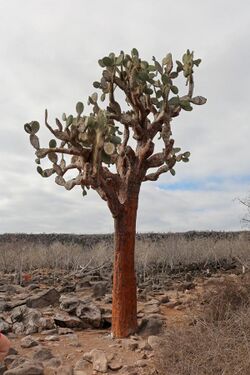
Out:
{"x": 49, "y": 52}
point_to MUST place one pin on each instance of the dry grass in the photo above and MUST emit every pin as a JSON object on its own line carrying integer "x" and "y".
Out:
{"x": 219, "y": 342}
{"x": 173, "y": 254}
{"x": 151, "y": 256}
{"x": 226, "y": 299}
{"x": 208, "y": 349}
{"x": 27, "y": 257}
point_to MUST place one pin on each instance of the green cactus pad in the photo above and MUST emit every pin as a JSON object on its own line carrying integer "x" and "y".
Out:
{"x": 79, "y": 108}
{"x": 52, "y": 143}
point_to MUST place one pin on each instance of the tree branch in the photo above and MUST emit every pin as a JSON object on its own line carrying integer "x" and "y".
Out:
{"x": 156, "y": 160}
{"x": 107, "y": 191}
{"x": 191, "y": 86}
{"x": 156, "y": 125}
{"x": 126, "y": 134}
{"x": 154, "y": 176}
{"x": 144, "y": 151}
{"x": 42, "y": 152}
{"x": 47, "y": 124}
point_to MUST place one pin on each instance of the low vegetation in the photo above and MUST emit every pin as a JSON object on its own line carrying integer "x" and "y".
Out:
{"x": 218, "y": 342}
{"x": 154, "y": 256}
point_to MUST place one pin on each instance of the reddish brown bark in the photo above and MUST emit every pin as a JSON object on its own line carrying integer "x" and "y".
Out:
{"x": 124, "y": 307}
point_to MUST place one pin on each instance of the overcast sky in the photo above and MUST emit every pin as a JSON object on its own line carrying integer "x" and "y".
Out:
{"x": 49, "y": 52}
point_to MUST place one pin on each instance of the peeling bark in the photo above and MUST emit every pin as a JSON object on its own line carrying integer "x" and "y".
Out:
{"x": 124, "y": 304}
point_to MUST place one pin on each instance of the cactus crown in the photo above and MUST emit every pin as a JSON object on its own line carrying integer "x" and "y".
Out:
{"x": 100, "y": 139}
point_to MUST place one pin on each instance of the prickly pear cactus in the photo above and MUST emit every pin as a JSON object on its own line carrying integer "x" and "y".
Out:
{"x": 95, "y": 141}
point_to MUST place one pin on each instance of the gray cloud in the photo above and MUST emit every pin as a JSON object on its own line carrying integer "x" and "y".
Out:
{"x": 49, "y": 60}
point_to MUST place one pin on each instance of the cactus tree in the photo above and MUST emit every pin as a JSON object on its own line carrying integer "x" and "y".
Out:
{"x": 89, "y": 144}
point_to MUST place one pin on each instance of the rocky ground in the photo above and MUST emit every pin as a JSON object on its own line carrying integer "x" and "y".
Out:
{"x": 60, "y": 323}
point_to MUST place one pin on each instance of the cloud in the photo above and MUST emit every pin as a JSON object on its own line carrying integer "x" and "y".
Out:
{"x": 182, "y": 210}
{"x": 49, "y": 60}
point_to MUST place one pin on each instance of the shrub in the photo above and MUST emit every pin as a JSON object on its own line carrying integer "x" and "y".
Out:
{"x": 219, "y": 341}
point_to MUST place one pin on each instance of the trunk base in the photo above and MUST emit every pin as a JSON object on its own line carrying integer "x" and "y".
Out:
{"x": 124, "y": 304}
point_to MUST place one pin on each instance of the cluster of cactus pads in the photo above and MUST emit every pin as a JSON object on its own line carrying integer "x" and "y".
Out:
{"x": 100, "y": 139}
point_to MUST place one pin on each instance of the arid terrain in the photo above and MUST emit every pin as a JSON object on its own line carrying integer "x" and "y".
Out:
{"x": 193, "y": 306}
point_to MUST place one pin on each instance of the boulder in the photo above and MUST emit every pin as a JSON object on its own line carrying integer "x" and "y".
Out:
{"x": 150, "y": 326}
{"x": 68, "y": 321}
{"x": 18, "y": 328}
{"x": 89, "y": 314}
{"x": 31, "y": 321}
{"x": 4, "y": 326}
{"x": 28, "y": 342}
{"x": 87, "y": 356}
{"x": 42, "y": 354}
{"x": 106, "y": 318}
{"x": 18, "y": 313}
{"x": 14, "y": 362}
{"x": 46, "y": 298}
{"x": 27, "y": 368}
{"x": 82, "y": 367}
{"x": 9, "y": 359}
{"x": 115, "y": 364}
{"x": 12, "y": 351}
{"x": 15, "y": 303}
{"x": 46, "y": 323}
{"x": 69, "y": 304}
{"x": 99, "y": 360}
{"x": 25, "y": 320}
{"x": 52, "y": 331}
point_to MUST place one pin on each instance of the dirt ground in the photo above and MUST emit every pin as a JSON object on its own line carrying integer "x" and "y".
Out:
{"x": 178, "y": 310}
{"x": 71, "y": 347}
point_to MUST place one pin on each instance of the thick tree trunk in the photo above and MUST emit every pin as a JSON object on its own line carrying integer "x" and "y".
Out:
{"x": 124, "y": 304}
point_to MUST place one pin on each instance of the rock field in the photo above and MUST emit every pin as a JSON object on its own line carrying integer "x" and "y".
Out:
{"x": 60, "y": 323}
